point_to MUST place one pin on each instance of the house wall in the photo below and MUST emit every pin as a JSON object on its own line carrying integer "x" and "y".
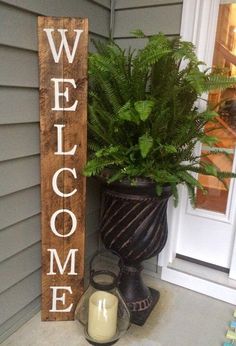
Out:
{"x": 19, "y": 154}
{"x": 152, "y": 17}
{"x": 19, "y": 133}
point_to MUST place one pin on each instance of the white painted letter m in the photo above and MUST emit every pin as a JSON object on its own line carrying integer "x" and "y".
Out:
{"x": 71, "y": 255}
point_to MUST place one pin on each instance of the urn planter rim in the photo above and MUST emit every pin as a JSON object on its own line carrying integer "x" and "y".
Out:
{"x": 142, "y": 186}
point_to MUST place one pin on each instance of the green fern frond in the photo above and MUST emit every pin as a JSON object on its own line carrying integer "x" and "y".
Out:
{"x": 175, "y": 193}
{"x": 189, "y": 179}
{"x": 96, "y": 165}
{"x": 143, "y": 120}
{"x": 138, "y": 33}
{"x": 219, "y": 82}
{"x": 191, "y": 194}
{"x": 184, "y": 51}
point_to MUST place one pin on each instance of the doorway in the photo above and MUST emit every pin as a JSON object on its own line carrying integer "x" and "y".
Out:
{"x": 206, "y": 234}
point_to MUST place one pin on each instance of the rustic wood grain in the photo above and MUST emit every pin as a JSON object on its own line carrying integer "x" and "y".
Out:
{"x": 74, "y": 132}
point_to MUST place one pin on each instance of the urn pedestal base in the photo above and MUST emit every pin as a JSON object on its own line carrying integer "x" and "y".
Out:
{"x": 140, "y": 317}
{"x": 139, "y": 298}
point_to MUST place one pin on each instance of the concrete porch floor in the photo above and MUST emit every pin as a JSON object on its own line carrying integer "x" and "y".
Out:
{"x": 181, "y": 318}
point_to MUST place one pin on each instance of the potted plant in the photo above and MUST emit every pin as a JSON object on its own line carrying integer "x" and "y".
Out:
{"x": 144, "y": 124}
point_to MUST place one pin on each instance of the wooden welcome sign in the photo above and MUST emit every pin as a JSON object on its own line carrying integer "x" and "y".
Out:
{"x": 63, "y": 46}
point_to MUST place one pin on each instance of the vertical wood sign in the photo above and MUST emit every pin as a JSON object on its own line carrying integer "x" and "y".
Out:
{"x": 63, "y": 46}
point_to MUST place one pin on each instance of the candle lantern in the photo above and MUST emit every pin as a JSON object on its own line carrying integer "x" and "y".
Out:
{"x": 101, "y": 309}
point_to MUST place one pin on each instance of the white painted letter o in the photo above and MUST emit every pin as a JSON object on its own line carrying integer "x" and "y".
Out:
{"x": 53, "y": 220}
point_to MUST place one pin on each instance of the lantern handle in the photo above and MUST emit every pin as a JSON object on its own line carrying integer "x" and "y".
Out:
{"x": 99, "y": 252}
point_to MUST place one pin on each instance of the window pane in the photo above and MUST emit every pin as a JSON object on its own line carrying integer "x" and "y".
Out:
{"x": 225, "y": 128}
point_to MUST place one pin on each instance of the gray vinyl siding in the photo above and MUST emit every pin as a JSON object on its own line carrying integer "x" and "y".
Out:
{"x": 126, "y": 4}
{"x": 152, "y": 17}
{"x": 19, "y": 133}
{"x": 20, "y": 245}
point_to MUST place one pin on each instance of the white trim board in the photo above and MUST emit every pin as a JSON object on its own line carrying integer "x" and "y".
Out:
{"x": 203, "y": 286}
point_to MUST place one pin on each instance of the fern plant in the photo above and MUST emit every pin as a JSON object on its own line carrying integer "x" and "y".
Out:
{"x": 143, "y": 118}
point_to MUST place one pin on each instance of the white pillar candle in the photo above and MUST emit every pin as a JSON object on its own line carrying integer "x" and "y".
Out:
{"x": 102, "y": 318}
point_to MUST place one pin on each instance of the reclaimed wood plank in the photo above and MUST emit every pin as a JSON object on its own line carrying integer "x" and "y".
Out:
{"x": 74, "y": 133}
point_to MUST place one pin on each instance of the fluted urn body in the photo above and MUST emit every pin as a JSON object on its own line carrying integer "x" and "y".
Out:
{"x": 134, "y": 225}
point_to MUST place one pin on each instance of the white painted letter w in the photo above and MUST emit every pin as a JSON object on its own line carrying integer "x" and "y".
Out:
{"x": 64, "y": 43}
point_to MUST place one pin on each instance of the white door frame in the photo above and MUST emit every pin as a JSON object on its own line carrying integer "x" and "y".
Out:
{"x": 199, "y": 21}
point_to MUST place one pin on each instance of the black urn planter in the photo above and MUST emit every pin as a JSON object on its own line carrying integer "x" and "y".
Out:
{"x": 134, "y": 225}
